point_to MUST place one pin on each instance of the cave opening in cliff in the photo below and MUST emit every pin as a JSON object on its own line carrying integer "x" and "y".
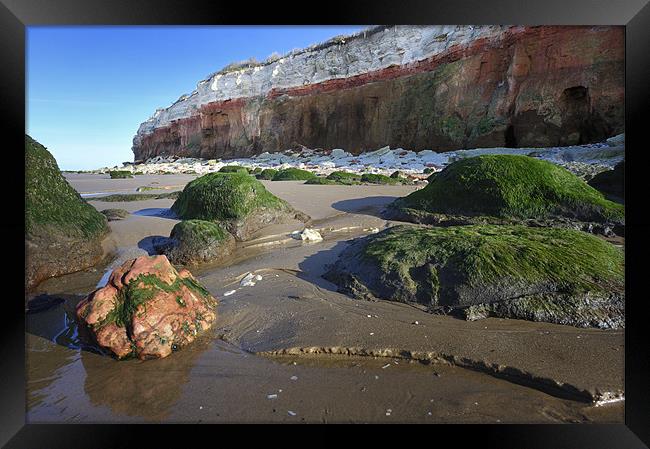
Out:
{"x": 511, "y": 140}
{"x": 576, "y": 109}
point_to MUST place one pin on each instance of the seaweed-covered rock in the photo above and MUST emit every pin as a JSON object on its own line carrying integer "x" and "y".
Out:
{"x": 611, "y": 182}
{"x": 197, "y": 241}
{"x": 63, "y": 233}
{"x": 120, "y": 174}
{"x": 344, "y": 177}
{"x": 233, "y": 169}
{"x": 236, "y": 200}
{"x": 115, "y": 214}
{"x": 293, "y": 174}
{"x": 511, "y": 189}
{"x": 544, "y": 274}
{"x": 267, "y": 173}
{"x": 147, "y": 309}
{"x": 372, "y": 178}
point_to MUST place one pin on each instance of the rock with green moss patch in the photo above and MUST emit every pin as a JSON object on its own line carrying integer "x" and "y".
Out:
{"x": 120, "y": 174}
{"x": 267, "y": 173}
{"x": 374, "y": 178}
{"x": 63, "y": 233}
{"x": 544, "y": 274}
{"x": 233, "y": 169}
{"x": 238, "y": 201}
{"x": 128, "y": 197}
{"x": 344, "y": 177}
{"x": 509, "y": 189}
{"x": 293, "y": 174}
{"x": 147, "y": 309}
{"x": 115, "y": 214}
{"x": 193, "y": 242}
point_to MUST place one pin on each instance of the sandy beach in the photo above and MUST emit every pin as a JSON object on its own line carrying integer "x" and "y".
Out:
{"x": 293, "y": 349}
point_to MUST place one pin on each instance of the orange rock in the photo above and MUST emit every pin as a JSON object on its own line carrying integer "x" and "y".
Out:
{"x": 147, "y": 309}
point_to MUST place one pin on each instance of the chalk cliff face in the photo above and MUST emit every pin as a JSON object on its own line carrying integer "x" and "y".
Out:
{"x": 415, "y": 87}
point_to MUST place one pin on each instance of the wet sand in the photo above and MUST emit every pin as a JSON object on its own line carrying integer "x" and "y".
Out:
{"x": 354, "y": 361}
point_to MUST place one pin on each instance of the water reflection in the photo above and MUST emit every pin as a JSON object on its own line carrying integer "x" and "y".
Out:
{"x": 64, "y": 358}
{"x": 147, "y": 389}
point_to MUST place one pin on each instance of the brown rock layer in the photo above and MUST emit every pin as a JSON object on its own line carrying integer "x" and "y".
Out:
{"x": 536, "y": 86}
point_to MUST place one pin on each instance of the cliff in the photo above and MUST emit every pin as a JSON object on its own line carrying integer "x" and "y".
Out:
{"x": 416, "y": 87}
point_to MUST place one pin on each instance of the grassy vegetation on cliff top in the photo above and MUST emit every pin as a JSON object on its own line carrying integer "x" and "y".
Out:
{"x": 293, "y": 174}
{"x": 477, "y": 255}
{"x": 50, "y": 201}
{"x": 224, "y": 197}
{"x": 511, "y": 186}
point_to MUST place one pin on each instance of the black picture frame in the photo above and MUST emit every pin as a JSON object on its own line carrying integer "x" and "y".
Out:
{"x": 15, "y": 15}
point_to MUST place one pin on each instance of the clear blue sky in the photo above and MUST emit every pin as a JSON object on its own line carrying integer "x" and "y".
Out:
{"x": 89, "y": 88}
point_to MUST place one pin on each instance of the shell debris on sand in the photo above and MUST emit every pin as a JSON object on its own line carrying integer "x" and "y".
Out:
{"x": 307, "y": 235}
{"x": 250, "y": 280}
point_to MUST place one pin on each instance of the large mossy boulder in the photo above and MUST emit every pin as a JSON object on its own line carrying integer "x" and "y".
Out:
{"x": 63, "y": 233}
{"x": 557, "y": 275}
{"x": 507, "y": 188}
{"x": 236, "y": 200}
{"x": 611, "y": 182}
{"x": 147, "y": 309}
{"x": 193, "y": 242}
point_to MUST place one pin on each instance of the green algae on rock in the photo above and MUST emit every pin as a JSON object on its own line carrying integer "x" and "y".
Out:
{"x": 293, "y": 174}
{"x": 337, "y": 178}
{"x": 372, "y": 178}
{"x": 546, "y": 274}
{"x": 63, "y": 233}
{"x": 236, "y": 200}
{"x": 267, "y": 173}
{"x": 507, "y": 187}
{"x": 128, "y": 197}
{"x": 197, "y": 241}
{"x": 120, "y": 174}
{"x": 115, "y": 214}
{"x": 233, "y": 169}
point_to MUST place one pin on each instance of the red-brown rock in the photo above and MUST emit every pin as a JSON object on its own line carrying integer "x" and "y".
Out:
{"x": 147, "y": 309}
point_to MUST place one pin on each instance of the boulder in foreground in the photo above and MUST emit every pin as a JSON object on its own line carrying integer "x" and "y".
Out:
{"x": 236, "y": 200}
{"x": 63, "y": 233}
{"x": 556, "y": 275}
{"x": 147, "y": 309}
{"x": 508, "y": 189}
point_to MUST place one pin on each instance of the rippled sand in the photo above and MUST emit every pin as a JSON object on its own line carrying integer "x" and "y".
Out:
{"x": 292, "y": 349}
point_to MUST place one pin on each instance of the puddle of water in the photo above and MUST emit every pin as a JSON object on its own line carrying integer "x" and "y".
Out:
{"x": 160, "y": 212}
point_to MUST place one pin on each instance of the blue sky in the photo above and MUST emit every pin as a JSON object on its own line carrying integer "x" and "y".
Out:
{"x": 89, "y": 88}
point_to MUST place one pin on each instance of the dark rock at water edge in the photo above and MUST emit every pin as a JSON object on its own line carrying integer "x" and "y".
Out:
{"x": 196, "y": 241}
{"x": 545, "y": 274}
{"x": 63, "y": 233}
{"x": 115, "y": 214}
{"x": 611, "y": 182}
